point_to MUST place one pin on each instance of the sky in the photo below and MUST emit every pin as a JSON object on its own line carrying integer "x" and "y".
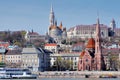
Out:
{"x": 34, "y": 14}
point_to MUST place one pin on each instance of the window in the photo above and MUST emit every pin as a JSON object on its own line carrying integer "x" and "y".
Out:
{"x": 71, "y": 58}
{"x": 86, "y": 60}
{"x": 68, "y": 58}
{"x": 75, "y": 63}
{"x": 81, "y": 61}
{"x": 75, "y": 58}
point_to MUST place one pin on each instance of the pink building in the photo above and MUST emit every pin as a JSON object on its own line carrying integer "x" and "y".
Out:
{"x": 91, "y": 58}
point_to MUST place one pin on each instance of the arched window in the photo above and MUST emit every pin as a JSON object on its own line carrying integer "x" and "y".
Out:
{"x": 81, "y": 61}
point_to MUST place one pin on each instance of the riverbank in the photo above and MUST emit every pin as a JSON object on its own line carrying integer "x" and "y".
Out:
{"x": 79, "y": 74}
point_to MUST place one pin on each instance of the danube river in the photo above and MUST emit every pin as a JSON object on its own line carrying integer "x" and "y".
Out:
{"x": 79, "y": 79}
{"x": 67, "y": 79}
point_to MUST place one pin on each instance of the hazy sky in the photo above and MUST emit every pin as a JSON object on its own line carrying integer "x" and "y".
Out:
{"x": 34, "y": 14}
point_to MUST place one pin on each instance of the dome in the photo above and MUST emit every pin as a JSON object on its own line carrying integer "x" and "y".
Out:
{"x": 91, "y": 43}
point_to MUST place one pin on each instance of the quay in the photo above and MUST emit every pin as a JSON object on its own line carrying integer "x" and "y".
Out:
{"x": 81, "y": 74}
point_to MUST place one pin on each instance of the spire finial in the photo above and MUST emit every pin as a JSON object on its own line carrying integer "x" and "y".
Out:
{"x": 97, "y": 14}
{"x": 51, "y": 8}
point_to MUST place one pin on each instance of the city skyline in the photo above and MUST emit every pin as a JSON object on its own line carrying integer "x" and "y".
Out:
{"x": 34, "y": 14}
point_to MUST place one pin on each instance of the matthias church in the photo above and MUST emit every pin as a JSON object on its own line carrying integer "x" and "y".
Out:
{"x": 56, "y": 33}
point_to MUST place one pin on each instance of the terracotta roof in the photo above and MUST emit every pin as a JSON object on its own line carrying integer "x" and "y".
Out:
{"x": 4, "y": 44}
{"x": 91, "y": 43}
{"x": 51, "y": 44}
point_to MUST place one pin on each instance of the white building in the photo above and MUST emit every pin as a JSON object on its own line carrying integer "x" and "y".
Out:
{"x": 35, "y": 59}
{"x": 31, "y": 36}
{"x": 86, "y": 31}
{"x": 74, "y": 57}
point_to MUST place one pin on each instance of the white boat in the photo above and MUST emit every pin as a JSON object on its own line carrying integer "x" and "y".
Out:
{"x": 16, "y": 73}
{"x": 3, "y": 74}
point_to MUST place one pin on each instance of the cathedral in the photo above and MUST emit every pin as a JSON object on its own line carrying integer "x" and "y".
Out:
{"x": 58, "y": 33}
{"x": 91, "y": 58}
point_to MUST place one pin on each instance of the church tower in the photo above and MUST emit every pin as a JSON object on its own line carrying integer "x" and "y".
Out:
{"x": 52, "y": 17}
{"x": 112, "y": 25}
{"x": 98, "y": 47}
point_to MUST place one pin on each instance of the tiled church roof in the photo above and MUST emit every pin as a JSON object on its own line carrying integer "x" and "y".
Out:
{"x": 91, "y": 43}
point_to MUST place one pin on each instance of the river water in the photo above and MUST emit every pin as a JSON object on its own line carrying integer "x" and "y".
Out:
{"x": 67, "y": 79}
{"x": 79, "y": 79}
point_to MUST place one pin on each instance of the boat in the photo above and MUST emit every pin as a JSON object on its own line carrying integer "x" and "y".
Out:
{"x": 3, "y": 74}
{"x": 16, "y": 73}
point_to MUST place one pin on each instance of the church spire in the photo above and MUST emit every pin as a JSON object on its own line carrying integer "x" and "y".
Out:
{"x": 51, "y": 8}
{"x": 98, "y": 28}
{"x": 61, "y": 26}
{"x": 98, "y": 46}
{"x": 52, "y": 17}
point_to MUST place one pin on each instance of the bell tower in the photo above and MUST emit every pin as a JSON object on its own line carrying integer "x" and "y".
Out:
{"x": 98, "y": 47}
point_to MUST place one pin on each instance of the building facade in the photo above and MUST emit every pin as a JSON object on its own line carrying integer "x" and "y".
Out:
{"x": 73, "y": 57}
{"x": 31, "y": 36}
{"x": 13, "y": 58}
{"x": 35, "y": 59}
{"x": 91, "y": 58}
{"x": 86, "y": 31}
{"x": 2, "y": 54}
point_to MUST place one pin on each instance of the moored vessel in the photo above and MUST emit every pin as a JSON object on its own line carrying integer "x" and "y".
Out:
{"x": 16, "y": 73}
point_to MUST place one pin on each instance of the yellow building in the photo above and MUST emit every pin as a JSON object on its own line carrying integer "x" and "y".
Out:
{"x": 2, "y": 54}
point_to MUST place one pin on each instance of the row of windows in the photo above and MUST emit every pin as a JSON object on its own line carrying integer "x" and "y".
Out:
{"x": 15, "y": 61}
{"x": 74, "y": 63}
{"x": 67, "y": 58}
{"x": 13, "y": 56}
{"x": 31, "y": 56}
{"x": 30, "y": 60}
{"x": 29, "y": 64}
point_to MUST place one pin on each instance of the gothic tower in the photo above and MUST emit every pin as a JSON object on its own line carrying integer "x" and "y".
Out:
{"x": 112, "y": 25}
{"x": 52, "y": 17}
{"x": 98, "y": 47}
